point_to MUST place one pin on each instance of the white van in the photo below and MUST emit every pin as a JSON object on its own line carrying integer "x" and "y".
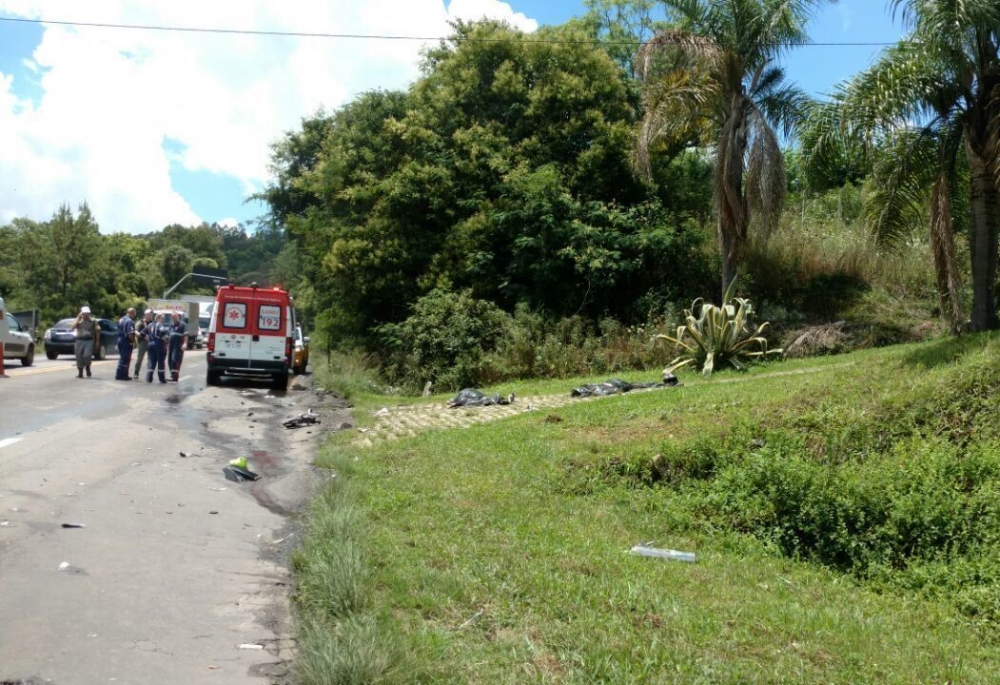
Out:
{"x": 17, "y": 342}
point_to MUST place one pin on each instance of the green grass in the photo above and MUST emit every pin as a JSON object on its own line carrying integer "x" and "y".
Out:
{"x": 844, "y": 512}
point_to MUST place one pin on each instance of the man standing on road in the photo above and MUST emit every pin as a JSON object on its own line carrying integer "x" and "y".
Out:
{"x": 178, "y": 341}
{"x": 157, "y": 332}
{"x": 3, "y": 334}
{"x": 142, "y": 339}
{"x": 87, "y": 334}
{"x": 126, "y": 341}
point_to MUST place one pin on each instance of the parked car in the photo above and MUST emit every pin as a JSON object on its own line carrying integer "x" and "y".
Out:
{"x": 300, "y": 351}
{"x": 17, "y": 342}
{"x": 61, "y": 339}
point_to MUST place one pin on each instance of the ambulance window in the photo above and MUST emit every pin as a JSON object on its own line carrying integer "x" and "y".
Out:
{"x": 269, "y": 318}
{"x": 234, "y": 315}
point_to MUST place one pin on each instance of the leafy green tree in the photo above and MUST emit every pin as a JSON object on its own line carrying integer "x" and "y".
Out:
{"x": 61, "y": 259}
{"x": 942, "y": 80}
{"x": 175, "y": 262}
{"x": 714, "y": 75}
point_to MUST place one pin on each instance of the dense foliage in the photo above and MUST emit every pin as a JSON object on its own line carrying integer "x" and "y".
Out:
{"x": 56, "y": 266}
{"x": 505, "y": 173}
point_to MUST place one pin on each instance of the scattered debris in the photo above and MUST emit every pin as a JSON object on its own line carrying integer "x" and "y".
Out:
{"x": 213, "y": 512}
{"x": 183, "y": 454}
{"x": 475, "y": 617}
{"x": 384, "y": 411}
{"x": 218, "y": 489}
{"x": 308, "y": 419}
{"x": 238, "y": 474}
{"x": 612, "y": 386}
{"x": 74, "y": 525}
{"x": 5, "y": 524}
{"x": 470, "y": 397}
{"x": 673, "y": 554}
{"x": 64, "y": 566}
{"x": 251, "y": 646}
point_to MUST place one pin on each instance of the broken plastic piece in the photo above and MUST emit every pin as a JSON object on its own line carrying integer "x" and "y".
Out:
{"x": 74, "y": 525}
{"x": 251, "y": 646}
{"x": 239, "y": 461}
{"x": 671, "y": 554}
{"x": 63, "y": 566}
{"x": 238, "y": 475}
{"x": 307, "y": 419}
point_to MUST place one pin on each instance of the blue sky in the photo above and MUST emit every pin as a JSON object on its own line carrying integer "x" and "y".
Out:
{"x": 153, "y": 128}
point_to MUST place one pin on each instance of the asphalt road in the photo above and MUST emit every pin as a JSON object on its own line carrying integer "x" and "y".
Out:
{"x": 177, "y": 569}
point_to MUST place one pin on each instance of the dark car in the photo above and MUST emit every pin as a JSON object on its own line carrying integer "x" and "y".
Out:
{"x": 61, "y": 339}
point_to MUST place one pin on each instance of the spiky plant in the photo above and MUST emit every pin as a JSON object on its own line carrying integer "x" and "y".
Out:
{"x": 713, "y": 335}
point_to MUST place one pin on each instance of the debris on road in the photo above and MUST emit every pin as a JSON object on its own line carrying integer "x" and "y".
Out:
{"x": 74, "y": 525}
{"x": 238, "y": 474}
{"x": 308, "y": 419}
{"x": 251, "y": 646}
{"x": 64, "y": 566}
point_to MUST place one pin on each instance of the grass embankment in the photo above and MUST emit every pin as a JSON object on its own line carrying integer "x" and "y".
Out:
{"x": 845, "y": 520}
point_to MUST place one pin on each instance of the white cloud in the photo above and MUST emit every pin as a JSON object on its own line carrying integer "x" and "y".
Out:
{"x": 110, "y": 98}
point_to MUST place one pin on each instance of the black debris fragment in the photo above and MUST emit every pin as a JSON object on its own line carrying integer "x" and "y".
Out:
{"x": 470, "y": 397}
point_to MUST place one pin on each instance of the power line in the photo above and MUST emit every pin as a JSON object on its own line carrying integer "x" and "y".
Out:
{"x": 367, "y": 36}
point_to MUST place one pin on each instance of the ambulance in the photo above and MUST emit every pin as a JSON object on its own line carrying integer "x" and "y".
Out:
{"x": 250, "y": 335}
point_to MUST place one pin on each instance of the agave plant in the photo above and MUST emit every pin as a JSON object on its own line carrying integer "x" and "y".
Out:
{"x": 714, "y": 335}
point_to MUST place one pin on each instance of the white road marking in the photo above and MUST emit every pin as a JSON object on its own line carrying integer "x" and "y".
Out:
{"x": 9, "y": 441}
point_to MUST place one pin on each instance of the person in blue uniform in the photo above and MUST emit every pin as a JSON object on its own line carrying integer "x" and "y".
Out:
{"x": 158, "y": 331}
{"x": 126, "y": 342}
{"x": 178, "y": 341}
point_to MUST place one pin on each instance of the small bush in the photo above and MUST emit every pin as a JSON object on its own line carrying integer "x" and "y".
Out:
{"x": 446, "y": 340}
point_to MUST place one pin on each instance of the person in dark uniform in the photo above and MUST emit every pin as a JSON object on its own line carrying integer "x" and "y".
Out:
{"x": 157, "y": 332}
{"x": 178, "y": 341}
{"x": 142, "y": 340}
{"x": 126, "y": 341}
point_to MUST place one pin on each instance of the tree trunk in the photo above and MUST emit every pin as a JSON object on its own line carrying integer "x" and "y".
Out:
{"x": 949, "y": 283}
{"x": 732, "y": 205}
{"x": 984, "y": 207}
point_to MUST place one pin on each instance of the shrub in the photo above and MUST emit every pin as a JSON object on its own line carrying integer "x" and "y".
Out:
{"x": 446, "y": 340}
{"x": 715, "y": 335}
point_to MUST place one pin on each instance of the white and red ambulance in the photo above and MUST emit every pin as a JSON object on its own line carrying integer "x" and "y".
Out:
{"x": 250, "y": 334}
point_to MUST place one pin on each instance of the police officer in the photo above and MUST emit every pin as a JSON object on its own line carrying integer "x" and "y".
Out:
{"x": 178, "y": 341}
{"x": 88, "y": 334}
{"x": 142, "y": 340}
{"x": 157, "y": 332}
{"x": 126, "y": 341}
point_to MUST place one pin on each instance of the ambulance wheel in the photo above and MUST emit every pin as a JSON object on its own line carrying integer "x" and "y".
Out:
{"x": 212, "y": 377}
{"x": 280, "y": 381}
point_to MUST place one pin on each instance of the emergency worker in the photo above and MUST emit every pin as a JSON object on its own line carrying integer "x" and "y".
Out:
{"x": 178, "y": 341}
{"x": 126, "y": 341}
{"x": 142, "y": 340}
{"x": 157, "y": 333}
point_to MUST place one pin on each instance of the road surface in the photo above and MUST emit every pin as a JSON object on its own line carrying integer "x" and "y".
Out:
{"x": 176, "y": 567}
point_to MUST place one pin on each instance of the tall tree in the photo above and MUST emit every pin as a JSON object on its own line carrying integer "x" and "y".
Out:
{"x": 943, "y": 78}
{"x": 62, "y": 260}
{"x": 715, "y": 75}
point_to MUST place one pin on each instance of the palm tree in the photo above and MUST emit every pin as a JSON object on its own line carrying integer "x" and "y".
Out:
{"x": 940, "y": 83}
{"x": 714, "y": 77}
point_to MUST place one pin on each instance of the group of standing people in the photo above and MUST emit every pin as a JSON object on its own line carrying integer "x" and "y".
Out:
{"x": 160, "y": 338}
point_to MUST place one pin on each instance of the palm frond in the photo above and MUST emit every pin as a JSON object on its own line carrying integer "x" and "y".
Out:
{"x": 766, "y": 184}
